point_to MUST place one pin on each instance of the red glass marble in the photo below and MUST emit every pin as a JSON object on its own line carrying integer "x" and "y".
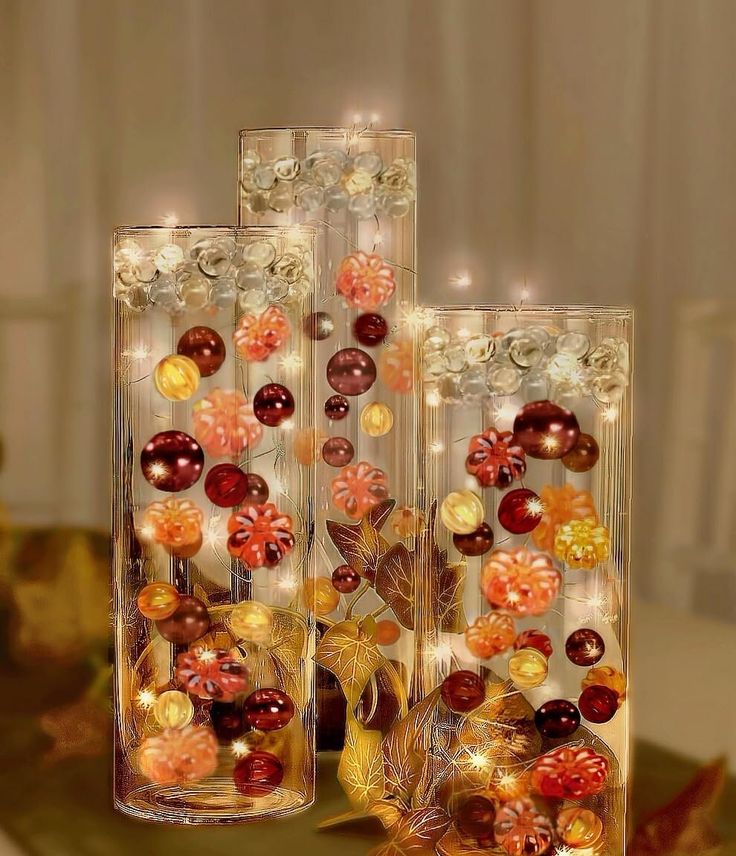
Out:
{"x": 257, "y": 489}
{"x": 205, "y": 346}
{"x": 545, "y": 430}
{"x": 258, "y": 774}
{"x": 351, "y": 371}
{"x": 345, "y": 579}
{"x": 172, "y": 461}
{"x": 520, "y": 511}
{"x": 337, "y": 407}
{"x": 319, "y": 326}
{"x": 370, "y": 329}
{"x": 273, "y": 404}
{"x": 338, "y": 452}
{"x": 585, "y": 647}
{"x": 227, "y": 721}
{"x": 598, "y": 704}
{"x": 463, "y": 691}
{"x": 475, "y": 817}
{"x": 534, "y": 639}
{"x": 190, "y": 621}
{"x": 268, "y": 709}
{"x": 226, "y": 485}
{"x": 476, "y": 543}
{"x": 583, "y": 456}
{"x": 557, "y": 718}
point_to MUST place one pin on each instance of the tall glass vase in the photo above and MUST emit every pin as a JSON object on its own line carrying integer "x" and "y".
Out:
{"x": 358, "y": 186}
{"x": 213, "y": 523}
{"x": 522, "y": 595}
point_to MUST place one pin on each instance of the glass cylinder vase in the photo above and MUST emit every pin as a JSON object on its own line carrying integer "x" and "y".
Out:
{"x": 521, "y": 599}
{"x": 213, "y": 523}
{"x": 358, "y": 186}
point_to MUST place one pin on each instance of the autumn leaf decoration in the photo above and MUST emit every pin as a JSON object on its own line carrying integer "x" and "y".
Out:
{"x": 361, "y": 544}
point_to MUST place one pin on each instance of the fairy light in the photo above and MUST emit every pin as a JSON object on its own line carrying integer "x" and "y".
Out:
{"x": 463, "y": 333}
{"x": 418, "y": 317}
{"x": 375, "y": 118}
{"x": 377, "y": 239}
{"x": 212, "y": 537}
{"x": 524, "y": 294}
{"x": 550, "y": 443}
{"x": 610, "y": 414}
{"x": 287, "y": 584}
{"x": 157, "y": 470}
{"x": 146, "y": 699}
{"x": 534, "y": 507}
{"x": 461, "y": 280}
{"x": 147, "y": 532}
{"x": 508, "y": 781}
{"x": 432, "y": 398}
{"x": 239, "y": 748}
{"x": 565, "y": 369}
{"x": 139, "y": 352}
{"x": 206, "y": 655}
{"x": 170, "y": 219}
{"x": 506, "y": 412}
{"x": 479, "y": 761}
{"x": 291, "y": 362}
{"x": 436, "y": 447}
{"x": 287, "y": 425}
{"x": 440, "y": 651}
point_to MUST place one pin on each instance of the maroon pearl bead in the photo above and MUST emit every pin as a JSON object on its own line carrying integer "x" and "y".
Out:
{"x": 475, "y": 817}
{"x": 227, "y": 721}
{"x": 598, "y": 704}
{"x": 337, "y": 452}
{"x": 226, "y": 485}
{"x": 337, "y": 407}
{"x": 534, "y": 639}
{"x": 514, "y": 512}
{"x": 583, "y": 456}
{"x": 585, "y": 647}
{"x": 345, "y": 579}
{"x": 463, "y": 691}
{"x": 319, "y": 326}
{"x": 546, "y": 430}
{"x": 273, "y": 404}
{"x": 257, "y": 491}
{"x": 557, "y": 718}
{"x": 370, "y": 329}
{"x": 172, "y": 461}
{"x": 476, "y": 543}
{"x": 268, "y": 709}
{"x": 351, "y": 371}
{"x": 205, "y": 346}
{"x": 258, "y": 774}
{"x": 189, "y": 622}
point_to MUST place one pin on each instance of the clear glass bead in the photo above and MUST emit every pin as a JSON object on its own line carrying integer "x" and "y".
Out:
{"x": 504, "y": 380}
{"x": 363, "y": 206}
{"x": 525, "y": 352}
{"x": 163, "y": 292}
{"x": 573, "y": 343}
{"x": 277, "y": 288}
{"x": 127, "y": 254}
{"x": 281, "y": 198}
{"x": 287, "y": 168}
{"x": 198, "y": 246}
{"x": 505, "y": 342}
{"x": 534, "y": 387}
{"x": 396, "y": 203}
{"x": 541, "y": 336}
{"x": 257, "y": 203}
{"x": 224, "y": 293}
{"x": 357, "y": 182}
{"x": 435, "y": 364}
{"x": 609, "y": 388}
{"x": 448, "y": 389}
{"x": 195, "y": 292}
{"x": 474, "y": 384}
{"x": 253, "y": 301}
{"x": 227, "y": 245}
{"x": 396, "y": 175}
{"x": 168, "y": 258}
{"x": 566, "y": 373}
{"x": 124, "y": 278}
{"x": 136, "y": 298}
{"x": 336, "y": 198}
{"x": 214, "y": 261}
{"x": 603, "y": 358}
{"x": 146, "y": 270}
{"x": 264, "y": 176}
{"x": 327, "y": 171}
{"x": 262, "y": 253}
{"x": 455, "y": 356}
{"x": 251, "y": 275}
{"x": 311, "y": 198}
{"x": 369, "y": 162}
{"x": 436, "y": 339}
{"x": 289, "y": 267}
{"x": 250, "y": 160}
{"x": 480, "y": 348}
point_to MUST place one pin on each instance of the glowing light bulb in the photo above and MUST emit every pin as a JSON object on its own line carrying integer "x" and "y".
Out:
{"x": 436, "y": 447}
{"x": 146, "y": 699}
{"x": 291, "y": 362}
{"x": 609, "y": 414}
{"x": 239, "y": 748}
{"x": 479, "y": 761}
{"x": 535, "y": 507}
{"x": 377, "y": 239}
{"x": 170, "y": 219}
{"x": 432, "y": 398}
{"x": 461, "y": 280}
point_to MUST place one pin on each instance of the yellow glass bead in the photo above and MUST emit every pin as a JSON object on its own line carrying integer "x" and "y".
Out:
{"x": 528, "y": 668}
{"x": 158, "y": 601}
{"x": 173, "y": 709}
{"x": 176, "y": 377}
{"x": 462, "y": 511}
{"x": 376, "y": 419}
{"x": 579, "y": 827}
{"x": 582, "y": 543}
{"x": 320, "y": 596}
{"x": 252, "y": 620}
{"x": 606, "y": 676}
{"x": 357, "y": 181}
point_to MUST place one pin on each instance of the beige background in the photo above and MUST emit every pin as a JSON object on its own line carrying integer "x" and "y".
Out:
{"x": 585, "y": 147}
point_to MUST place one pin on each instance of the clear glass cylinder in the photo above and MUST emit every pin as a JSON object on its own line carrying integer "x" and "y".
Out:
{"x": 522, "y": 599}
{"x": 359, "y": 188}
{"x": 212, "y": 523}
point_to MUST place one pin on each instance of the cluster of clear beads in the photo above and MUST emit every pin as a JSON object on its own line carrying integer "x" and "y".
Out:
{"x": 212, "y": 273}
{"x": 331, "y": 179}
{"x": 536, "y": 362}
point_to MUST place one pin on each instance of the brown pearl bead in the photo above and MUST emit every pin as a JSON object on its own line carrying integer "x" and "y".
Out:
{"x": 345, "y": 579}
{"x": 205, "y": 346}
{"x": 463, "y": 691}
{"x": 545, "y": 430}
{"x": 338, "y": 452}
{"x": 190, "y": 621}
{"x": 583, "y": 456}
{"x": 476, "y": 543}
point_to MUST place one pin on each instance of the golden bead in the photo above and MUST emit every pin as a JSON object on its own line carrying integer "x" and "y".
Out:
{"x": 320, "y": 596}
{"x": 376, "y": 419}
{"x": 462, "y": 511}
{"x": 582, "y": 543}
{"x": 579, "y": 827}
{"x": 173, "y": 709}
{"x": 606, "y": 676}
{"x": 528, "y": 668}
{"x": 176, "y": 377}
{"x": 158, "y": 601}
{"x": 252, "y": 620}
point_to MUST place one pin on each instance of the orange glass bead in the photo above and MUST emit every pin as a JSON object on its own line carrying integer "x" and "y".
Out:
{"x": 584, "y": 456}
{"x": 179, "y": 755}
{"x": 582, "y": 543}
{"x": 606, "y": 676}
{"x": 579, "y": 827}
{"x": 256, "y": 338}
{"x": 560, "y": 505}
{"x": 520, "y": 581}
{"x": 158, "y": 600}
{"x": 489, "y": 635}
{"x": 224, "y": 423}
{"x": 521, "y": 829}
{"x": 365, "y": 281}
{"x": 173, "y": 522}
{"x": 387, "y": 632}
{"x": 570, "y": 773}
{"x": 320, "y": 596}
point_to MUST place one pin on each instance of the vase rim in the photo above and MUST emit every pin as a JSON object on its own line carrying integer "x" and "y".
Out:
{"x": 337, "y": 130}
{"x": 264, "y": 229}
{"x": 578, "y": 309}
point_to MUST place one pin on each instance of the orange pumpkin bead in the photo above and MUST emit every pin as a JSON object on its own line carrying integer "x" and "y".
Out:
{"x": 158, "y": 601}
{"x": 490, "y": 634}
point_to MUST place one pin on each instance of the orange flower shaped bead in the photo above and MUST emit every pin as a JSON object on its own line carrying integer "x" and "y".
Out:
{"x": 179, "y": 755}
{"x": 521, "y": 829}
{"x": 365, "y": 281}
{"x": 260, "y": 535}
{"x": 396, "y": 365}
{"x": 174, "y": 522}
{"x": 256, "y": 338}
{"x": 561, "y": 504}
{"x": 495, "y": 458}
{"x": 489, "y": 635}
{"x": 358, "y": 488}
{"x": 582, "y": 543}
{"x": 224, "y": 424}
{"x": 520, "y": 581}
{"x": 211, "y": 673}
{"x": 570, "y": 773}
